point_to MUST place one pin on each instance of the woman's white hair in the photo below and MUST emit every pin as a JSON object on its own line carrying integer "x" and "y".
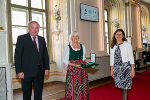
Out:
{"x": 74, "y": 33}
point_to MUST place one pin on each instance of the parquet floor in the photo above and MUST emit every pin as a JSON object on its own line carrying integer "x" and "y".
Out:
{"x": 51, "y": 91}
{"x": 56, "y": 90}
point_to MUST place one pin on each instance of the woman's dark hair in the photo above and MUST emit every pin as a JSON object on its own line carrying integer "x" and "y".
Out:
{"x": 114, "y": 41}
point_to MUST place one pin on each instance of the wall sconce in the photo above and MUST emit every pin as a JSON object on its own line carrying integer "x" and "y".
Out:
{"x": 1, "y": 28}
{"x": 116, "y": 23}
{"x": 57, "y": 17}
{"x": 127, "y": 3}
{"x": 113, "y": 2}
{"x": 143, "y": 29}
{"x": 56, "y": 12}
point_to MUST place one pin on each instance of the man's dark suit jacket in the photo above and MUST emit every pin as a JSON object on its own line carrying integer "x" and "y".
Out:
{"x": 147, "y": 56}
{"x": 27, "y": 58}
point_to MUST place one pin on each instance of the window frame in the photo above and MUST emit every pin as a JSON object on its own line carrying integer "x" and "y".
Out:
{"x": 29, "y": 9}
{"x": 108, "y": 37}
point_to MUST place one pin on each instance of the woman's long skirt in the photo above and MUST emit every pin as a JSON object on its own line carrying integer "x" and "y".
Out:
{"x": 77, "y": 87}
{"x": 122, "y": 71}
{"x": 122, "y": 76}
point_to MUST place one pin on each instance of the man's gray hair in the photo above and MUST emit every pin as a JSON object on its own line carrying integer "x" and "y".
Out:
{"x": 33, "y": 22}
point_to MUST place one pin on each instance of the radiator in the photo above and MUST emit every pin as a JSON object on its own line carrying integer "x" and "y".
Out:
{"x": 5, "y": 69}
{"x": 3, "y": 86}
{"x": 6, "y": 92}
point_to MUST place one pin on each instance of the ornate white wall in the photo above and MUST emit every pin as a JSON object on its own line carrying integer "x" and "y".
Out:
{"x": 4, "y": 65}
{"x": 3, "y": 14}
{"x": 5, "y": 69}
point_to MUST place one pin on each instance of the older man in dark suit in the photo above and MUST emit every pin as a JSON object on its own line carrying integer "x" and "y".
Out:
{"x": 31, "y": 61}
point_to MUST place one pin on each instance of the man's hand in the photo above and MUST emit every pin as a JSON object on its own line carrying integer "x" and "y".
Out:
{"x": 46, "y": 72}
{"x": 20, "y": 75}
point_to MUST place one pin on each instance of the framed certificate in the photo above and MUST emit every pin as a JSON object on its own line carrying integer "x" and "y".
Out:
{"x": 93, "y": 55}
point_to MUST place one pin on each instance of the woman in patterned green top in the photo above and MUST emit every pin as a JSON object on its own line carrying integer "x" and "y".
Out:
{"x": 77, "y": 87}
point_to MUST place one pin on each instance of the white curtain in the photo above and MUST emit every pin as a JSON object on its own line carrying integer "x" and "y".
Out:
{"x": 3, "y": 14}
{"x": 63, "y": 23}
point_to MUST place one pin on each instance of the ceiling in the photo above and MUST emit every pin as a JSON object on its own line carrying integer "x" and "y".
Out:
{"x": 147, "y": 1}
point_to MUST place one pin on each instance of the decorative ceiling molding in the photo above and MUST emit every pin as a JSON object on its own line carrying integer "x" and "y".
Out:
{"x": 135, "y": 1}
{"x": 146, "y": 1}
{"x": 112, "y": 2}
{"x": 138, "y": 1}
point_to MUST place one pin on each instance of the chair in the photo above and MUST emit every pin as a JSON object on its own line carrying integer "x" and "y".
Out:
{"x": 137, "y": 64}
{"x": 147, "y": 65}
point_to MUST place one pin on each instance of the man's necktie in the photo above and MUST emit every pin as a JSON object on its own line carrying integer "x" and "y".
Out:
{"x": 34, "y": 41}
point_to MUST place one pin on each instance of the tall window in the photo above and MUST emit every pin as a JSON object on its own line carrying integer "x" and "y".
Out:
{"x": 106, "y": 30}
{"x": 22, "y": 12}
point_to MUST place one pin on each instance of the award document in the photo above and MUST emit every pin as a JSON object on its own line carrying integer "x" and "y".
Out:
{"x": 93, "y": 55}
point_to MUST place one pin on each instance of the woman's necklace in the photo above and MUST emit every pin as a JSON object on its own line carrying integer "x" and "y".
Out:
{"x": 119, "y": 42}
{"x": 76, "y": 45}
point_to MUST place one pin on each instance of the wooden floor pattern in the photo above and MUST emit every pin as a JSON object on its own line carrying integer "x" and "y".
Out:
{"x": 56, "y": 90}
{"x": 51, "y": 91}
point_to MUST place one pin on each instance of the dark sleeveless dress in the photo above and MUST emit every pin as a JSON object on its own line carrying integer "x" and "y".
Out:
{"x": 77, "y": 87}
{"x": 122, "y": 71}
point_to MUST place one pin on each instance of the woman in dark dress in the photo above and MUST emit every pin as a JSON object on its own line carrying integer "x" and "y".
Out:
{"x": 122, "y": 62}
{"x": 77, "y": 87}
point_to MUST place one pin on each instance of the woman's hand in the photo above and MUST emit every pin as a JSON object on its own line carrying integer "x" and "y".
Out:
{"x": 87, "y": 60}
{"x": 77, "y": 65}
{"x": 111, "y": 72}
{"x": 132, "y": 71}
